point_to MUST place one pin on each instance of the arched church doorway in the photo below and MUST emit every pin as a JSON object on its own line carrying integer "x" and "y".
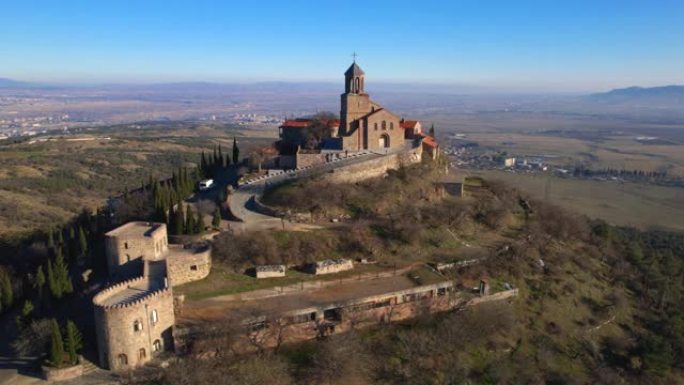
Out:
{"x": 384, "y": 141}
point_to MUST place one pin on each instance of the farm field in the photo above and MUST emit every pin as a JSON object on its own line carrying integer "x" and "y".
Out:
{"x": 630, "y": 204}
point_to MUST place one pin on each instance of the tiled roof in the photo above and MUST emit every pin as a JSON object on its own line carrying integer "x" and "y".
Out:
{"x": 430, "y": 141}
{"x": 409, "y": 124}
{"x": 301, "y": 123}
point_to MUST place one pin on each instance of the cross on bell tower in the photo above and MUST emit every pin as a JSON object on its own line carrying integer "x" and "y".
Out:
{"x": 354, "y": 78}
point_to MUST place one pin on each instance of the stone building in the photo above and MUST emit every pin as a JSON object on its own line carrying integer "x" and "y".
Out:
{"x": 269, "y": 271}
{"x": 330, "y": 266}
{"x": 129, "y": 245}
{"x": 134, "y": 318}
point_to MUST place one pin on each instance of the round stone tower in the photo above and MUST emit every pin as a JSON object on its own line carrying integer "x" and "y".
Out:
{"x": 133, "y": 322}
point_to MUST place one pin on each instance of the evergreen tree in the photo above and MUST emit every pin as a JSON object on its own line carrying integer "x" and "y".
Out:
{"x": 82, "y": 242}
{"x": 199, "y": 223}
{"x": 56, "y": 345}
{"x": 189, "y": 221}
{"x": 39, "y": 282}
{"x": 60, "y": 237}
{"x": 236, "y": 152}
{"x": 179, "y": 219}
{"x": 203, "y": 166}
{"x": 50, "y": 240}
{"x": 59, "y": 281}
{"x": 216, "y": 221}
{"x": 432, "y": 130}
{"x": 220, "y": 157}
{"x": 73, "y": 342}
{"x": 6, "y": 290}
{"x": 24, "y": 318}
{"x": 55, "y": 288}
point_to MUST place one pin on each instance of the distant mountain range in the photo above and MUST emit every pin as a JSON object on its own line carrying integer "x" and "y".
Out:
{"x": 673, "y": 94}
{"x": 9, "y": 83}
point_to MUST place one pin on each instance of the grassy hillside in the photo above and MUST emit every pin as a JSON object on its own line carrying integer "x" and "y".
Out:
{"x": 598, "y": 304}
{"x": 45, "y": 183}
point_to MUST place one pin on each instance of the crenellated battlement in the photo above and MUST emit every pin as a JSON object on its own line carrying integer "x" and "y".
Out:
{"x": 130, "y": 295}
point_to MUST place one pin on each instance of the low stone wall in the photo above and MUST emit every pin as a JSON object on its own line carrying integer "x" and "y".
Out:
{"x": 62, "y": 374}
{"x": 306, "y": 160}
{"x": 262, "y": 208}
{"x": 183, "y": 266}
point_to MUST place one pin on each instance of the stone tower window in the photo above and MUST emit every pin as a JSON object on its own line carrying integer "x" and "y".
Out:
{"x": 384, "y": 125}
{"x": 137, "y": 326}
{"x": 154, "y": 317}
{"x": 157, "y": 346}
{"x": 123, "y": 360}
{"x": 126, "y": 245}
{"x": 391, "y": 125}
{"x": 141, "y": 354}
{"x": 375, "y": 125}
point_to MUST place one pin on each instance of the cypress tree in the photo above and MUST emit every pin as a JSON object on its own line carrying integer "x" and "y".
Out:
{"x": 60, "y": 237}
{"x": 82, "y": 242}
{"x": 203, "y": 166}
{"x": 39, "y": 282}
{"x": 61, "y": 280}
{"x": 6, "y": 290}
{"x": 199, "y": 223}
{"x": 220, "y": 157}
{"x": 73, "y": 342}
{"x": 432, "y": 130}
{"x": 55, "y": 289}
{"x": 23, "y": 318}
{"x": 189, "y": 221}
{"x": 50, "y": 240}
{"x": 236, "y": 152}
{"x": 56, "y": 345}
{"x": 179, "y": 219}
{"x": 216, "y": 221}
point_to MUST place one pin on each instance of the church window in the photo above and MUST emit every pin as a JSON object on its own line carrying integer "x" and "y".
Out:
{"x": 375, "y": 125}
{"x": 384, "y": 125}
{"x": 156, "y": 346}
{"x": 357, "y": 86}
{"x": 154, "y": 317}
{"x": 123, "y": 360}
{"x": 391, "y": 125}
{"x": 137, "y": 326}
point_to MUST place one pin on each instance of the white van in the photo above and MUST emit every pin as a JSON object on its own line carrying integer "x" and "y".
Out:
{"x": 206, "y": 184}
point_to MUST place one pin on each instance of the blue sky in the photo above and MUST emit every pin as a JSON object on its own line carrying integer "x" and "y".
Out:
{"x": 546, "y": 45}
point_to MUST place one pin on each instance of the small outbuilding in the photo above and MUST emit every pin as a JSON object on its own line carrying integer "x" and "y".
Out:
{"x": 330, "y": 266}
{"x": 269, "y": 271}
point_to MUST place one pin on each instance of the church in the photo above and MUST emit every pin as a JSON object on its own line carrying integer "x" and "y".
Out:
{"x": 363, "y": 125}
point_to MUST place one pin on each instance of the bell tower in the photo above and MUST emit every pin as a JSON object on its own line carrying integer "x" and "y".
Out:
{"x": 353, "y": 80}
{"x": 355, "y": 100}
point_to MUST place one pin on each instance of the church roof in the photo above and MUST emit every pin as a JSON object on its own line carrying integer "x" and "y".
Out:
{"x": 354, "y": 70}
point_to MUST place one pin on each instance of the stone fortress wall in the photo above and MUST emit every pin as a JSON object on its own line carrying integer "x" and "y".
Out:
{"x": 187, "y": 265}
{"x": 134, "y": 321}
{"x": 375, "y": 167}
